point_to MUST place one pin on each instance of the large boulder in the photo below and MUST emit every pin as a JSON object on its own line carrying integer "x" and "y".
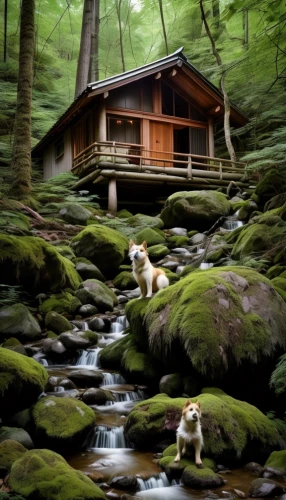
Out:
{"x": 104, "y": 247}
{"x": 16, "y": 434}
{"x": 75, "y": 213}
{"x": 195, "y": 209}
{"x": 61, "y": 303}
{"x": 233, "y": 430}
{"x": 98, "y": 294}
{"x": 213, "y": 321}
{"x": 10, "y": 451}
{"x": 17, "y": 321}
{"x": 277, "y": 460}
{"x": 151, "y": 236}
{"x": 35, "y": 264}
{"x": 46, "y": 475}
{"x": 22, "y": 381}
{"x": 57, "y": 323}
{"x": 61, "y": 423}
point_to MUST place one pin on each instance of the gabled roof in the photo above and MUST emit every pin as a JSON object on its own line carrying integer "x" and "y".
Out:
{"x": 176, "y": 59}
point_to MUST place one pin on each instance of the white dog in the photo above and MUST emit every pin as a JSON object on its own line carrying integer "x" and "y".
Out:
{"x": 149, "y": 278}
{"x": 189, "y": 431}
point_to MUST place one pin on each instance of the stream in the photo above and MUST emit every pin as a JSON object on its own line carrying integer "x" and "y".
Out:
{"x": 105, "y": 451}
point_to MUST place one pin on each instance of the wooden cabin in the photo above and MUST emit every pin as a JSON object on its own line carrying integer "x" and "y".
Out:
{"x": 143, "y": 134}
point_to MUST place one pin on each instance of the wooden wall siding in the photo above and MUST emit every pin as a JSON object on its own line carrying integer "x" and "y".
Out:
{"x": 82, "y": 134}
{"x": 53, "y": 167}
{"x": 137, "y": 96}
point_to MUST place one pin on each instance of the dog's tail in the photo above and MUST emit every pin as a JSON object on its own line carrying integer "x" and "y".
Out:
{"x": 162, "y": 281}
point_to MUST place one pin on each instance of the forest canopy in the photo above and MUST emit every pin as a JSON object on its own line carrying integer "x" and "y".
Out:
{"x": 249, "y": 35}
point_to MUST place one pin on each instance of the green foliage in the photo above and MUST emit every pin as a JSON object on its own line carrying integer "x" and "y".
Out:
{"x": 277, "y": 460}
{"x": 278, "y": 377}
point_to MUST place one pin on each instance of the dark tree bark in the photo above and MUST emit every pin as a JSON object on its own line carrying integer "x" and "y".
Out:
{"x": 216, "y": 54}
{"x": 84, "y": 52}
{"x": 163, "y": 26}
{"x": 21, "y": 152}
{"x": 118, "y": 10}
{"x": 93, "y": 68}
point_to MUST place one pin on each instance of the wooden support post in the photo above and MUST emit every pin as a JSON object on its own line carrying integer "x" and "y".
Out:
{"x": 220, "y": 170}
{"x": 112, "y": 196}
{"x": 211, "y": 147}
{"x": 189, "y": 171}
{"x": 101, "y": 123}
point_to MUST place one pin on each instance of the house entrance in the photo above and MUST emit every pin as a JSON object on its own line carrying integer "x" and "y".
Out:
{"x": 161, "y": 143}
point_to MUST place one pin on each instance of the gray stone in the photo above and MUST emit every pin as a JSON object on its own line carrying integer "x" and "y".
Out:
{"x": 86, "y": 378}
{"x": 87, "y": 310}
{"x": 17, "y": 321}
{"x": 124, "y": 482}
{"x": 261, "y": 488}
{"x": 89, "y": 271}
{"x": 96, "y": 324}
{"x": 16, "y": 434}
{"x": 72, "y": 341}
{"x": 178, "y": 231}
{"x": 74, "y": 213}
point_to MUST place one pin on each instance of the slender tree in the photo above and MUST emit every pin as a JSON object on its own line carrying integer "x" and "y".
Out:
{"x": 118, "y": 10}
{"x": 21, "y": 152}
{"x": 163, "y": 26}
{"x": 216, "y": 54}
{"x": 84, "y": 52}
{"x": 93, "y": 68}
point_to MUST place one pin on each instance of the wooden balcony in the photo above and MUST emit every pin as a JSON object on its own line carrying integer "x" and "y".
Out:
{"x": 133, "y": 163}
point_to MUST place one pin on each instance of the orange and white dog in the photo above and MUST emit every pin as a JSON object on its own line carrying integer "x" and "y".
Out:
{"x": 149, "y": 278}
{"x": 190, "y": 431}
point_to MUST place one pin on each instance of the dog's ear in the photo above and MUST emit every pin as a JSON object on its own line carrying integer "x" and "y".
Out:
{"x": 187, "y": 403}
{"x": 198, "y": 404}
{"x": 131, "y": 243}
{"x": 144, "y": 244}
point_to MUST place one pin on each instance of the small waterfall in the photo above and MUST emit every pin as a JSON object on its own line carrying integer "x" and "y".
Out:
{"x": 89, "y": 358}
{"x": 112, "y": 379}
{"x": 119, "y": 325}
{"x": 59, "y": 388}
{"x": 158, "y": 481}
{"x": 106, "y": 437}
{"x": 43, "y": 361}
{"x": 129, "y": 396}
{"x": 205, "y": 265}
{"x": 231, "y": 224}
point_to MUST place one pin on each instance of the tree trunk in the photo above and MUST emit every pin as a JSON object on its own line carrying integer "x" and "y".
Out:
{"x": 118, "y": 10}
{"x": 93, "y": 68}
{"x": 216, "y": 13}
{"x": 21, "y": 153}
{"x": 245, "y": 27}
{"x": 84, "y": 52}
{"x": 227, "y": 133}
{"x": 163, "y": 26}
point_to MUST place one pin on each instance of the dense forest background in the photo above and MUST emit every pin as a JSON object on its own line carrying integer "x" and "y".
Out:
{"x": 250, "y": 36}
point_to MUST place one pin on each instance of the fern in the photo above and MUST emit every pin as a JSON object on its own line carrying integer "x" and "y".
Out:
{"x": 278, "y": 377}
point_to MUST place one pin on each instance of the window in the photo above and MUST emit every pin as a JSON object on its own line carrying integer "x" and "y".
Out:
{"x": 136, "y": 95}
{"x": 82, "y": 135}
{"x": 173, "y": 104}
{"x": 123, "y": 130}
{"x": 59, "y": 148}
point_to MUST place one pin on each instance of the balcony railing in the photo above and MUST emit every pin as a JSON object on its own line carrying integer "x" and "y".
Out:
{"x": 110, "y": 158}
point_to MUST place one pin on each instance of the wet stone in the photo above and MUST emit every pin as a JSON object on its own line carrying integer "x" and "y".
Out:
{"x": 124, "y": 482}
{"x": 261, "y": 488}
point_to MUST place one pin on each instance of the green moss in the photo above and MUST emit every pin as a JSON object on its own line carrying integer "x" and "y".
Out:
{"x": 150, "y": 236}
{"x": 177, "y": 241}
{"x": 22, "y": 381}
{"x": 202, "y": 314}
{"x": 201, "y": 478}
{"x": 61, "y": 303}
{"x": 158, "y": 252}
{"x": 105, "y": 247}
{"x": 12, "y": 342}
{"x": 66, "y": 251}
{"x": 277, "y": 460}
{"x": 57, "y": 323}
{"x": 95, "y": 292}
{"x": 35, "y": 263}
{"x": 125, "y": 281}
{"x": 135, "y": 311}
{"x": 258, "y": 239}
{"x": 51, "y": 335}
{"x": 124, "y": 214}
{"x": 10, "y": 451}
{"x": 142, "y": 221}
{"x": 9, "y": 218}
{"x": 272, "y": 183}
{"x": 192, "y": 233}
{"x": 111, "y": 355}
{"x": 237, "y": 423}
{"x": 275, "y": 271}
{"x": 91, "y": 336}
{"x": 61, "y": 419}
{"x": 46, "y": 475}
{"x": 139, "y": 365}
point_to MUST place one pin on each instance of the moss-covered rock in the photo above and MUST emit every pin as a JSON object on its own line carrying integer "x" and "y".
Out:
{"x": 177, "y": 241}
{"x": 201, "y": 478}
{"x": 139, "y": 366}
{"x": 62, "y": 303}
{"x": 9, "y": 219}
{"x": 61, "y": 422}
{"x": 195, "y": 209}
{"x": 111, "y": 355}
{"x": 198, "y": 318}
{"x": 16, "y": 434}
{"x": 124, "y": 214}
{"x": 277, "y": 460}
{"x": 46, "y": 475}
{"x": 75, "y": 213}
{"x": 98, "y": 294}
{"x": 14, "y": 345}
{"x": 125, "y": 281}
{"x": 10, "y": 451}
{"x": 66, "y": 252}
{"x": 89, "y": 271}
{"x": 259, "y": 239}
{"x": 103, "y": 246}
{"x": 157, "y": 252}
{"x": 272, "y": 183}
{"x": 279, "y": 284}
{"x": 35, "y": 264}
{"x": 275, "y": 271}
{"x": 171, "y": 384}
{"x": 22, "y": 381}
{"x": 242, "y": 429}
{"x": 57, "y": 323}
{"x": 16, "y": 320}
{"x": 150, "y": 236}
{"x": 135, "y": 311}
{"x": 245, "y": 211}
